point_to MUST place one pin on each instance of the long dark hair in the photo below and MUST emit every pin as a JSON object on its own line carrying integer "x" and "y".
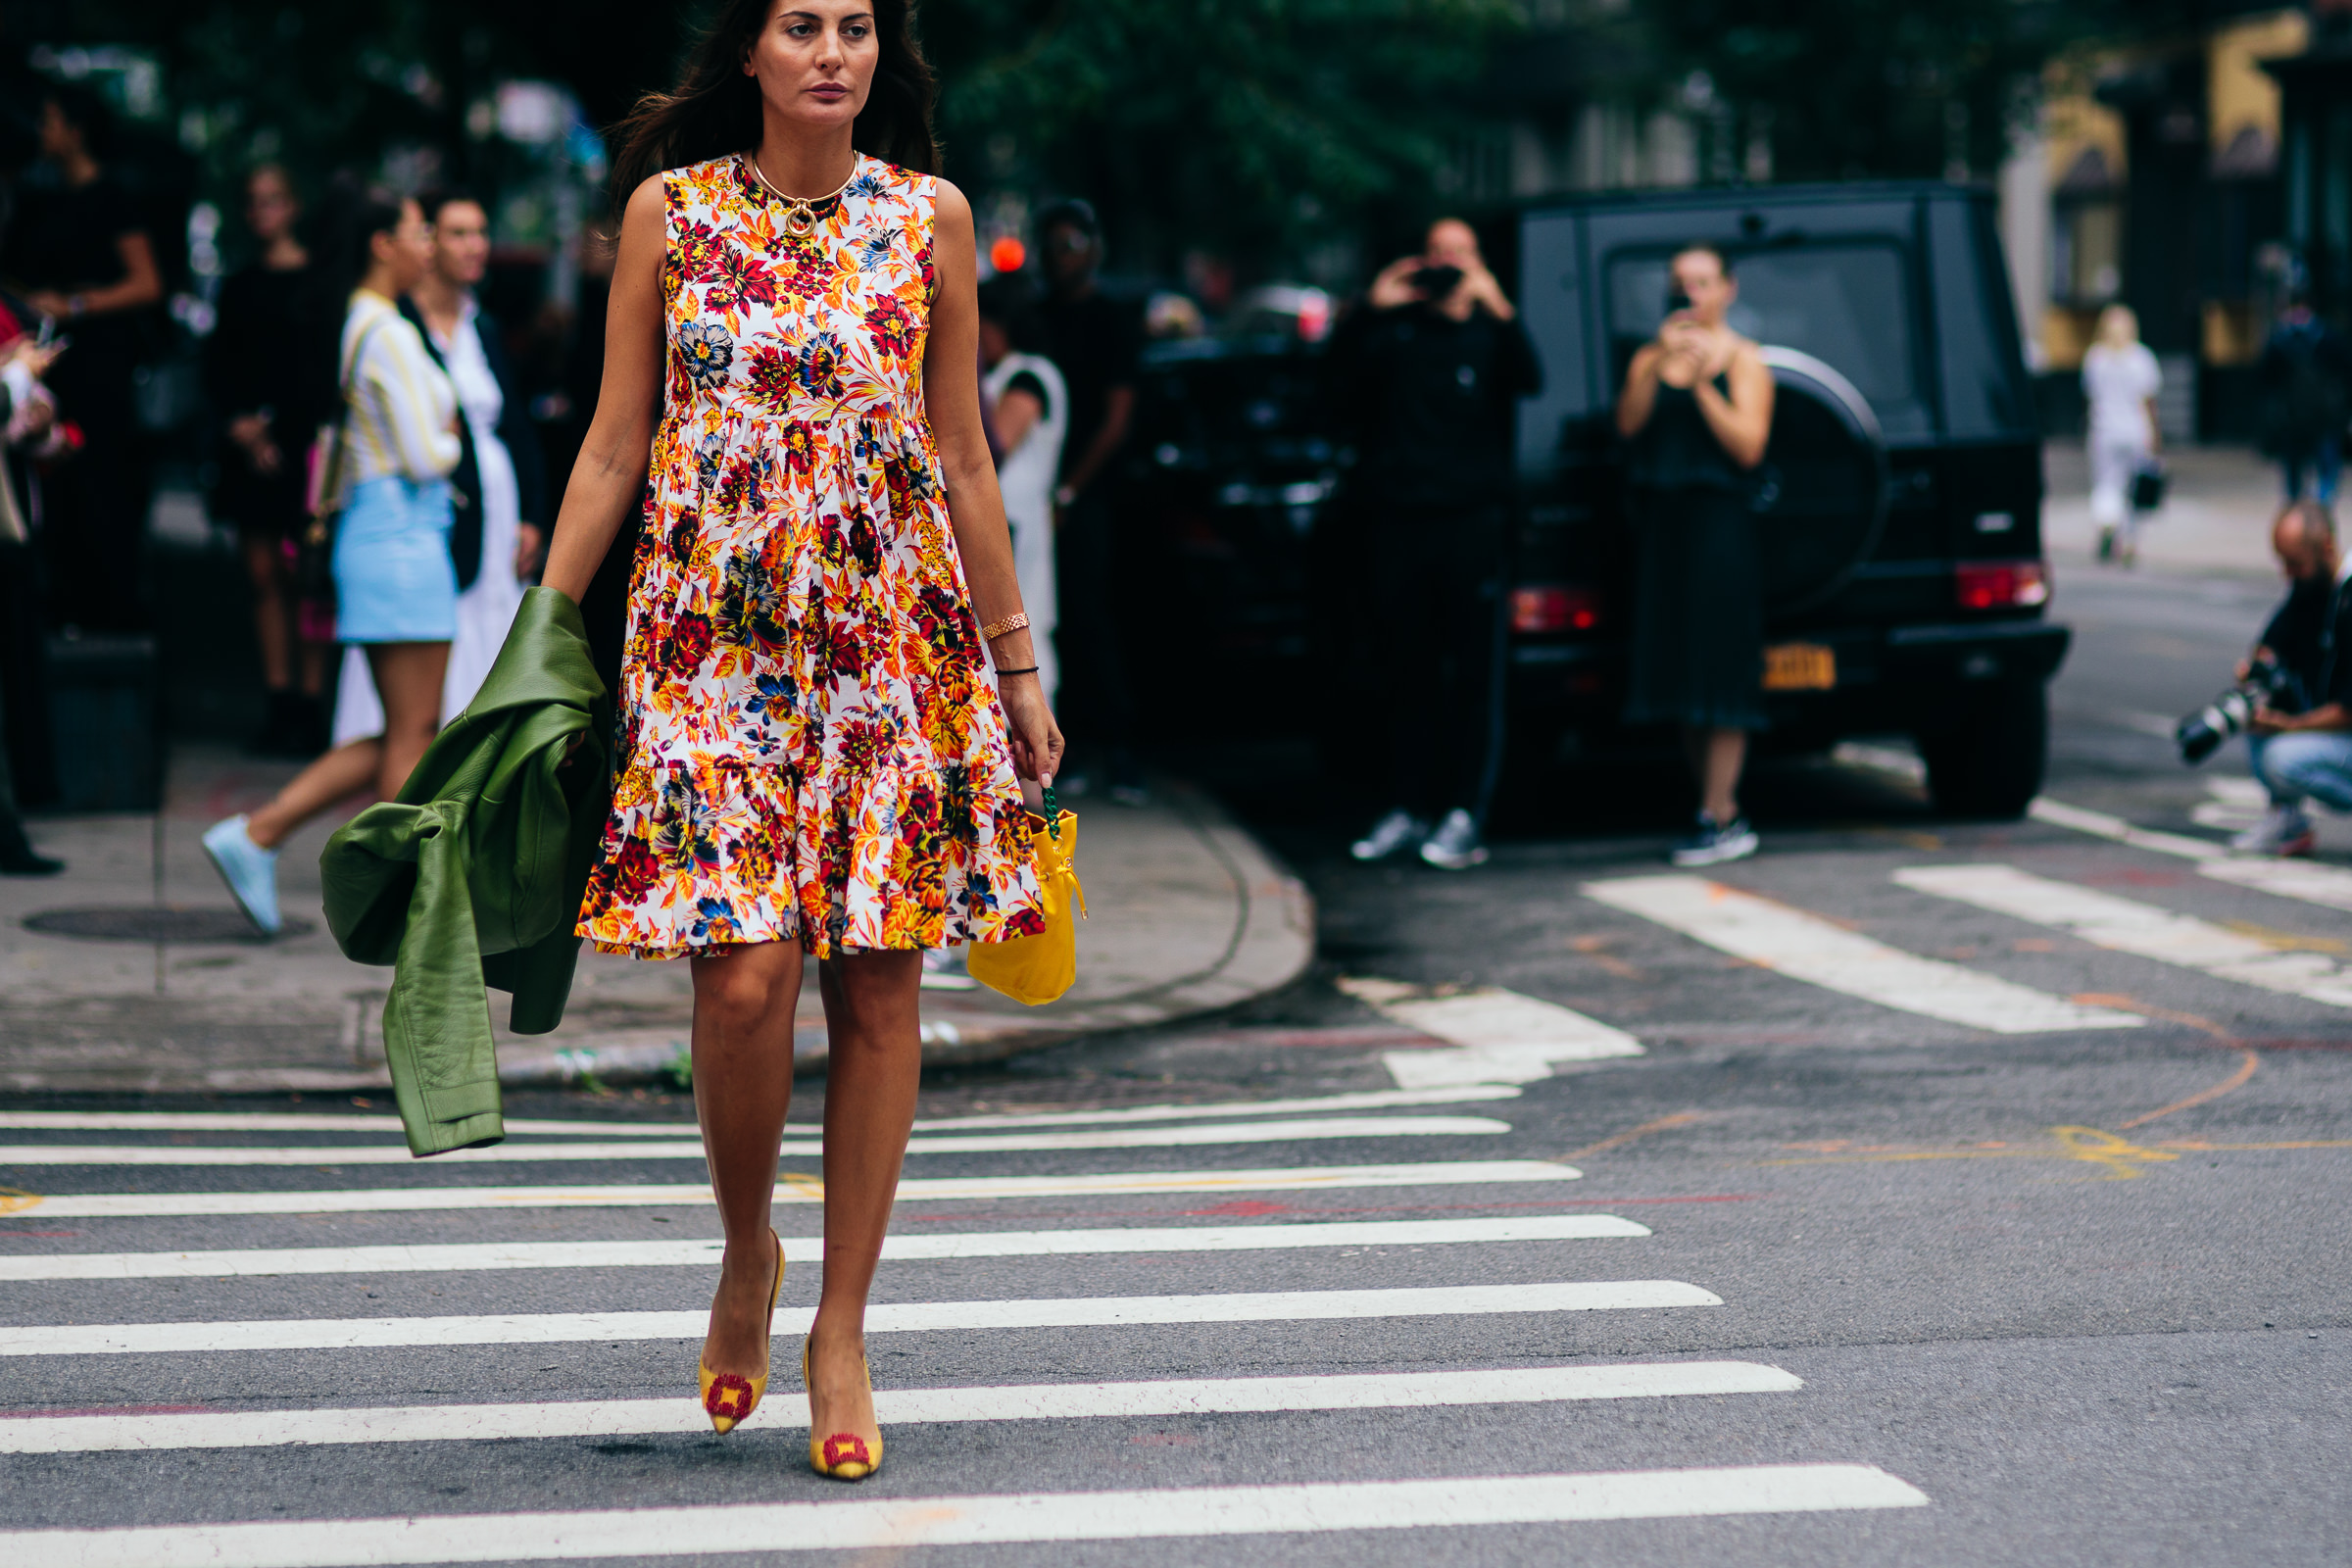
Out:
{"x": 715, "y": 108}
{"x": 355, "y": 215}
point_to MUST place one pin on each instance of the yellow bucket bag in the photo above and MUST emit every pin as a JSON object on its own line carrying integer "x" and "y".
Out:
{"x": 1035, "y": 970}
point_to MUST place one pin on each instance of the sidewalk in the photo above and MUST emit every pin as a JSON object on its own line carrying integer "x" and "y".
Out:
{"x": 2217, "y": 518}
{"x": 1188, "y": 915}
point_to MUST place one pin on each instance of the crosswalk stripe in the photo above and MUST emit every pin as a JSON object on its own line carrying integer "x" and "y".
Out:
{"x": 897, "y": 1524}
{"x": 1499, "y": 1035}
{"x": 2127, "y": 925}
{"x": 894, "y": 1317}
{"x": 1269, "y": 1132}
{"x": 793, "y": 1190}
{"x": 182, "y": 1121}
{"x": 1804, "y": 946}
{"x": 2308, "y": 881}
{"x": 1044, "y": 1401}
{"x": 272, "y": 1262}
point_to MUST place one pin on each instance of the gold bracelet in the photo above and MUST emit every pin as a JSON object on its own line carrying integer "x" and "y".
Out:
{"x": 1010, "y": 623}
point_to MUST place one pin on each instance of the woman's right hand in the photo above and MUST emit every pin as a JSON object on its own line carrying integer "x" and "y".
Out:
{"x": 1037, "y": 743}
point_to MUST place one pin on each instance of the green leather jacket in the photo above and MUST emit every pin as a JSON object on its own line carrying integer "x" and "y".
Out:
{"x": 473, "y": 877}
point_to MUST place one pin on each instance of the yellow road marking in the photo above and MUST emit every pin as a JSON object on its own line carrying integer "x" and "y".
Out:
{"x": 15, "y": 1202}
{"x": 2121, "y": 1159}
{"x": 1681, "y": 1118}
{"x": 2245, "y": 1070}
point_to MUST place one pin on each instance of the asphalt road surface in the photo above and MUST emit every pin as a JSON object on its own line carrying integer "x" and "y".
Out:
{"x": 1917, "y": 1192}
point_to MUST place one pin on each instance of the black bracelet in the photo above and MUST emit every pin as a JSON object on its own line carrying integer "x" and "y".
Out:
{"x": 1031, "y": 670}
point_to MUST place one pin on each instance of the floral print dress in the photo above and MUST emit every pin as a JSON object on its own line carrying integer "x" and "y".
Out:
{"x": 811, "y": 745}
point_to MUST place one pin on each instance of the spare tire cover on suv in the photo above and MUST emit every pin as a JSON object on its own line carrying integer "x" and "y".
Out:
{"x": 1821, "y": 491}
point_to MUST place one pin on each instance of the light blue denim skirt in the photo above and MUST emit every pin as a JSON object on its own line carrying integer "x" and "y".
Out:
{"x": 394, "y": 582}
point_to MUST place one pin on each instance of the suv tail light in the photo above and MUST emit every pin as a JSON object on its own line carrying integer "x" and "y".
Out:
{"x": 2001, "y": 584}
{"x": 1552, "y": 607}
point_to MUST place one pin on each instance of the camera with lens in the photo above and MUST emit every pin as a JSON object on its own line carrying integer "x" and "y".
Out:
{"x": 2268, "y": 684}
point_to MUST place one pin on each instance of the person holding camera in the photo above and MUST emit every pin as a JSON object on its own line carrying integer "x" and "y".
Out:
{"x": 1426, "y": 376}
{"x": 2300, "y": 733}
{"x": 1697, "y": 411}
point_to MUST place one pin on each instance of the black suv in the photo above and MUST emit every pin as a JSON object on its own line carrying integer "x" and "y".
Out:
{"x": 1899, "y": 500}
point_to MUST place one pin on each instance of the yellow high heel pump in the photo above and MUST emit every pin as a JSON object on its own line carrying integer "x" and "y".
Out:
{"x": 843, "y": 1456}
{"x": 729, "y": 1399}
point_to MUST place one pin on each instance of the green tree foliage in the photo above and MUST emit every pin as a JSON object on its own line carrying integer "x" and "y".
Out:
{"x": 1851, "y": 88}
{"x": 1241, "y": 124}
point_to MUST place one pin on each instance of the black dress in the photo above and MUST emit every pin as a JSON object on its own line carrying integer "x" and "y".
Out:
{"x": 1698, "y": 613}
{"x": 270, "y": 351}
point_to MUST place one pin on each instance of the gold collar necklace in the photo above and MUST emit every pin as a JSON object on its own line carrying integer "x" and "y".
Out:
{"x": 799, "y": 211}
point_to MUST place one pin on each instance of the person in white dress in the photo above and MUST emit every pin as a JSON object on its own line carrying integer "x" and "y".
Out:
{"x": 2119, "y": 381}
{"x": 1029, "y": 406}
{"x": 503, "y": 478}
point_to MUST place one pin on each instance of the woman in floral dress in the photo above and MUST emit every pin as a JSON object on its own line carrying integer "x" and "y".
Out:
{"x": 817, "y": 757}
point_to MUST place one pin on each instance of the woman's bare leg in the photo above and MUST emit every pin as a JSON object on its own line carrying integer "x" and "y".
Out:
{"x": 1726, "y": 756}
{"x": 743, "y": 1005}
{"x": 408, "y": 678}
{"x": 273, "y": 628}
{"x": 341, "y": 773}
{"x": 874, "y": 1064}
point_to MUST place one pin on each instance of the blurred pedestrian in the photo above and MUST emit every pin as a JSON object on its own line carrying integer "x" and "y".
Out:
{"x": 1096, "y": 342}
{"x": 2305, "y": 373}
{"x": 79, "y": 254}
{"x": 262, "y": 372}
{"x": 2299, "y": 741}
{"x": 1029, "y": 406}
{"x": 2119, "y": 382}
{"x": 499, "y": 488}
{"x": 1427, "y": 375}
{"x": 29, "y": 428}
{"x": 1697, "y": 408}
{"x": 814, "y": 764}
{"x": 396, "y": 593}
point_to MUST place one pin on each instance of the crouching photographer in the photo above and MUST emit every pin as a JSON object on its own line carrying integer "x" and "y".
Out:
{"x": 2299, "y": 729}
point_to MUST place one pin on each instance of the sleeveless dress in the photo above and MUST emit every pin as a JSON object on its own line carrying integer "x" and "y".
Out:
{"x": 1698, "y": 609}
{"x": 812, "y": 747}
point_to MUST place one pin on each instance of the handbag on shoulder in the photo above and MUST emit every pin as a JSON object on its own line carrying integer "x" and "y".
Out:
{"x": 326, "y": 490}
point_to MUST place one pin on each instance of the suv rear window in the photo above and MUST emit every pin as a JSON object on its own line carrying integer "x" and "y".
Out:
{"x": 1848, "y": 305}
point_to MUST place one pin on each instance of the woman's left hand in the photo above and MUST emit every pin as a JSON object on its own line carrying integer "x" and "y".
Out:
{"x": 1037, "y": 743}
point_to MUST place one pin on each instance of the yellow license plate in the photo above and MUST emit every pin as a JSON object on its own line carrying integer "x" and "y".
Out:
{"x": 1800, "y": 667}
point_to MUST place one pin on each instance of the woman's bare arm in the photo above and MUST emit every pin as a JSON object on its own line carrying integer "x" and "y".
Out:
{"x": 975, "y": 508}
{"x": 608, "y": 479}
{"x": 1741, "y": 423}
{"x": 1640, "y": 395}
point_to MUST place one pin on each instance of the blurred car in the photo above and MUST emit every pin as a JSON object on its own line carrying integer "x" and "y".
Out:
{"x": 1899, "y": 500}
{"x": 1230, "y": 467}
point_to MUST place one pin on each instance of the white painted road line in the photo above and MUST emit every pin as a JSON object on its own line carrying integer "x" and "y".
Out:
{"x": 895, "y": 1317}
{"x": 792, "y": 1189}
{"x": 897, "y": 1524}
{"x": 179, "y": 1121}
{"x": 1500, "y": 1037}
{"x": 1044, "y": 1401}
{"x": 1268, "y": 1131}
{"x": 2310, "y": 882}
{"x": 2127, "y": 925}
{"x": 274, "y": 1261}
{"x": 1805, "y": 947}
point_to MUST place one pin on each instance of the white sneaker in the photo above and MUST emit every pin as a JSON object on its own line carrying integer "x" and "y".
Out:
{"x": 1397, "y": 831}
{"x": 250, "y": 871}
{"x": 1455, "y": 845}
{"x": 2284, "y": 830}
{"x": 1715, "y": 843}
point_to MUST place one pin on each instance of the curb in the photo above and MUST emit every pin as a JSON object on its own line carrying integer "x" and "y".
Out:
{"x": 1270, "y": 943}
